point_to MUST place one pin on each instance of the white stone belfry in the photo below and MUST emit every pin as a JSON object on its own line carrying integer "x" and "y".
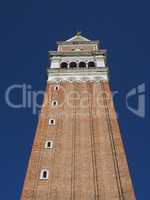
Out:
{"x": 77, "y": 59}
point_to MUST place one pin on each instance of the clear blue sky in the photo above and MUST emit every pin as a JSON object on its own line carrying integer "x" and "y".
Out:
{"x": 28, "y": 29}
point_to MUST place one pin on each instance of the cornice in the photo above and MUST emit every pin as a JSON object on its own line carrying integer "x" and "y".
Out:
{"x": 81, "y": 53}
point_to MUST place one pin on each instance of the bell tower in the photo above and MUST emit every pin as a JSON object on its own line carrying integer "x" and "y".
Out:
{"x": 78, "y": 152}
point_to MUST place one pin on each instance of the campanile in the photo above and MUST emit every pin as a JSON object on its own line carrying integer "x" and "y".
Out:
{"x": 77, "y": 152}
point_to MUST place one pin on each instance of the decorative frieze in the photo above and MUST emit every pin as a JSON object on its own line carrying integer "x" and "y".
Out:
{"x": 75, "y": 75}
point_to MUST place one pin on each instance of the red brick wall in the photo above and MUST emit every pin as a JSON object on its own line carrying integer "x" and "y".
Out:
{"x": 87, "y": 161}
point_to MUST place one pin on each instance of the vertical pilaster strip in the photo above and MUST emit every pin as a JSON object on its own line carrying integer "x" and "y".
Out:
{"x": 73, "y": 147}
{"x": 114, "y": 154}
{"x": 95, "y": 178}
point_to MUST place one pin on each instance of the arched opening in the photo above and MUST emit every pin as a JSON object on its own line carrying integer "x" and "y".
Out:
{"x": 49, "y": 144}
{"x": 91, "y": 64}
{"x": 56, "y": 87}
{"x": 73, "y": 65}
{"x": 82, "y": 65}
{"x": 44, "y": 174}
{"x": 64, "y": 65}
{"x": 51, "y": 122}
{"x": 54, "y": 103}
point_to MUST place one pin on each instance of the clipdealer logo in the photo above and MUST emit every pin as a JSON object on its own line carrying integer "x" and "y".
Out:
{"x": 139, "y": 93}
{"x": 29, "y": 98}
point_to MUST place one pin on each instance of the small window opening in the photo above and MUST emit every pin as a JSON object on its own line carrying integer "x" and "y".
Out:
{"x": 56, "y": 87}
{"x": 44, "y": 174}
{"x": 49, "y": 144}
{"x": 54, "y": 103}
{"x": 51, "y": 122}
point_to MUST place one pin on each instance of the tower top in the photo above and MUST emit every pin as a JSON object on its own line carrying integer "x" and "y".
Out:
{"x": 77, "y": 43}
{"x": 77, "y": 59}
{"x": 77, "y": 38}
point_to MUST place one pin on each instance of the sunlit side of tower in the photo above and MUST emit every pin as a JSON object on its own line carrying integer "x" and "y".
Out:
{"x": 77, "y": 152}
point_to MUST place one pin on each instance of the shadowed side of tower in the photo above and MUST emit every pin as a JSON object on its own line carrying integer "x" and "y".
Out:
{"x": 77, "y": 152}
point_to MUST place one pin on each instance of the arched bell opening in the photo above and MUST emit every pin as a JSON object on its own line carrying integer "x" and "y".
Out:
{"x": 82, "y": 65}
{"x": 64, "y": 65}
{"x": 73, "y": 65}
{"x": 91, "y": 64}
